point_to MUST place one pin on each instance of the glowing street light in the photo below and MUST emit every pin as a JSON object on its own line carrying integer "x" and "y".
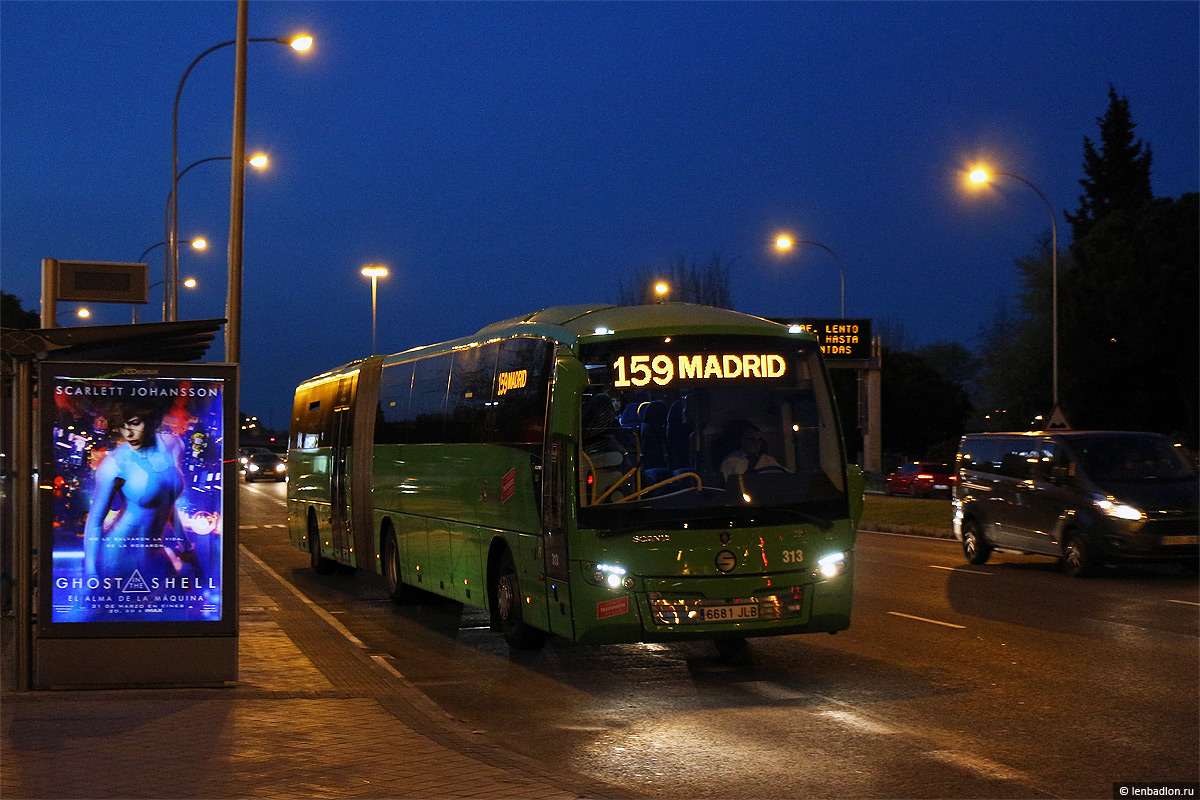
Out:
{"x": 374, "y": 272}
{"x": 661, "y": 289}
{"x": 785, "y": 243}
{"x": 981, "y": 176}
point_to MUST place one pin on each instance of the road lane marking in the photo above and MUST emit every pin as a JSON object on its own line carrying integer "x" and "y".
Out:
{"x": 772, "y": 691}
{"x": 923, "y": 619}
{"x": 322, "y": 613}
{"x": 963, "y": 570}
{"x": 859, "y": 723}
{"x": 1184, "y": 602}
{"x": 977, "y": 764}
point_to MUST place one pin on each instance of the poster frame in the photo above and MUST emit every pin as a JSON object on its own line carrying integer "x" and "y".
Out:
{"x": 52, "y": 374}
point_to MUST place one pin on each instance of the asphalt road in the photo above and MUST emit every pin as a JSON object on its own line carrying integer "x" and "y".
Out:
{"x": 953, "y": 681}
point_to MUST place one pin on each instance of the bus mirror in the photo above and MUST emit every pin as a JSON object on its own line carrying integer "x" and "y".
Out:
{"x": 854, "y": 491}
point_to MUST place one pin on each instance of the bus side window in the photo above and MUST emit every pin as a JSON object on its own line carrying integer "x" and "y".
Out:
{"x": 395, "y": 389}
{"x": 426, "y": 415}
{"x": 469, "y": 402}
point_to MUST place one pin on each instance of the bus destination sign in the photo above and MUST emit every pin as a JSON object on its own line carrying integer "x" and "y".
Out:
{"x": 841, "y": 339}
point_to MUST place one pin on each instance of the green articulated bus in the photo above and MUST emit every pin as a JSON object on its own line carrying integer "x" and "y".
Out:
{"x": 600, "y": 473}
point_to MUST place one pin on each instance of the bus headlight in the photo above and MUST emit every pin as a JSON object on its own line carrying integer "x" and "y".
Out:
{"x": 831, "y": 565}
{"x": 612, "y": 576}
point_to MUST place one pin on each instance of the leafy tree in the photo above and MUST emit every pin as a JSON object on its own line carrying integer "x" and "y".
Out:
{"x": 924, "y": 414}
{"x": 13, "y": 315}
{"x": 1128, "y": 321}
{"x": 690, "y": 282}
{"x": 1015, "y": 380}
{"x": 1117, "y": 176}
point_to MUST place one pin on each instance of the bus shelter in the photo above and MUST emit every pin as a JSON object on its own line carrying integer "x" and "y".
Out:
{"x": 119, "y": 553}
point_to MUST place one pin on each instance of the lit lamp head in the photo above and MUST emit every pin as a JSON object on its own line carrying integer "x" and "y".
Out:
{"x": 375, "y": 271}
{"x": 300, "y": 43}
{"x": 979, "y": 176}
{"x": 783, "y": 243}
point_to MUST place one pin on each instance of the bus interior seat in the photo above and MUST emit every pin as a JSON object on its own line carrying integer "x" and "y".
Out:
{"x": 679, "y": 438}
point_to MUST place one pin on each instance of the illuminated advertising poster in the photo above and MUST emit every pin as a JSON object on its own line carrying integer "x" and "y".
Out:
{"x": 136, "y": 494}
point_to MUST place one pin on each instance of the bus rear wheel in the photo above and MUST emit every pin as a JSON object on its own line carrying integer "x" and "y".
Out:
{"x": 320, "y": 564}
{"x": 506, "y": 602}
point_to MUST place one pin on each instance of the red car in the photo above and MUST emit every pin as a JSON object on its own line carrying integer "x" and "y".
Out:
{"x": 922, "y": 479}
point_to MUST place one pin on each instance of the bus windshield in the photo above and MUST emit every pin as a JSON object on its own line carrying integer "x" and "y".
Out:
{"x": 707, "y": 431}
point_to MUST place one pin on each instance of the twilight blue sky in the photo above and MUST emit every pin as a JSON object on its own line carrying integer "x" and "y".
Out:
{"x": 503, "y": 157}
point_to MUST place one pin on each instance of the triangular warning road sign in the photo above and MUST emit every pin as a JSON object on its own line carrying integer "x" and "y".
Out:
{"x": 1058, "y": 421}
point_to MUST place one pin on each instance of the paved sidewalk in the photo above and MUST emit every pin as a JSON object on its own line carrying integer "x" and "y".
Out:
{"x": 312, "y": 715}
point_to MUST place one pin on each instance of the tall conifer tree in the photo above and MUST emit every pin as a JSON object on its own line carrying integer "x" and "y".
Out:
{"x": 1117, "y": 176}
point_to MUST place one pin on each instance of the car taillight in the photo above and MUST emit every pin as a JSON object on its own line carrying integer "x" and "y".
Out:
{"x": 924, "y": 477}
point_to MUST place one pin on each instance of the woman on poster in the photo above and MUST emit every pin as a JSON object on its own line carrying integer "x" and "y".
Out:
{"x": 134, "y": 522}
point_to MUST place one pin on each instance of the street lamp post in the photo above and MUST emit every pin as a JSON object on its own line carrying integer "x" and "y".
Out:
{"x": 197, "y": 244}
{"x": 982, "y": 176}
{"x": 299, "y": 43}
{"x": 374, "y": 272}
{"x": 171, "y": 287}
{"x": 786, "y": 243}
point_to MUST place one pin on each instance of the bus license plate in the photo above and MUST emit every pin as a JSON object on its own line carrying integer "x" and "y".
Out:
{"x": 729, "y": 613}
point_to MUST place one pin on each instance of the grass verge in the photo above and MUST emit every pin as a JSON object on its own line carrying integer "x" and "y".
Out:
{"x": 916, "y": 515}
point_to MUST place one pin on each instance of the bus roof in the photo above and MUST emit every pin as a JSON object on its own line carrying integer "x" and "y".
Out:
{"x": 584, "y": 322}
{"x": 587, "y": 321}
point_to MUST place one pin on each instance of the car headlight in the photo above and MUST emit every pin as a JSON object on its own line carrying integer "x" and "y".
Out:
{"x": 1119, "y": 510}
{"x": 252, "y": 467}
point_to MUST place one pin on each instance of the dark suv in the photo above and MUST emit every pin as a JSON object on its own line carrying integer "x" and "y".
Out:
{"x": 1088, "y": 498}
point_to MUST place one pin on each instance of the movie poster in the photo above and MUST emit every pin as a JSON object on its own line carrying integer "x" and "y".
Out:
{"x": 137, "y": 484}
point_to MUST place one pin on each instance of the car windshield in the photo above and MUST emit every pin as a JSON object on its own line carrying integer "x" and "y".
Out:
{"x": 703, "y": 431}
{"x": 264, "y": 458}
{"x": 1133, "y": 458}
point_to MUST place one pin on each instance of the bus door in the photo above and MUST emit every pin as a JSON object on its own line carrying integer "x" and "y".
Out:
{"x": 556, "y": 507}
{"x": 339, "y": 497}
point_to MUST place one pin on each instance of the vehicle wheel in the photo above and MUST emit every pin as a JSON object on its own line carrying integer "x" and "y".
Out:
{"x": 975, "y": 546}
{"x": 506, "y": 601}
{"x": 399, "y": 591}
{"x": 320, "y": 564}
{"x": 248, "y": 478}
{"x": 1077, "y": 559}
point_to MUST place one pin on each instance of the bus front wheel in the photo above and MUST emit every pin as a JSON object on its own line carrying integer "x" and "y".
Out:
{"x": 399, "y": 591}
{"x": 320, "y": 564}
{"x": 506, "y": 601}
